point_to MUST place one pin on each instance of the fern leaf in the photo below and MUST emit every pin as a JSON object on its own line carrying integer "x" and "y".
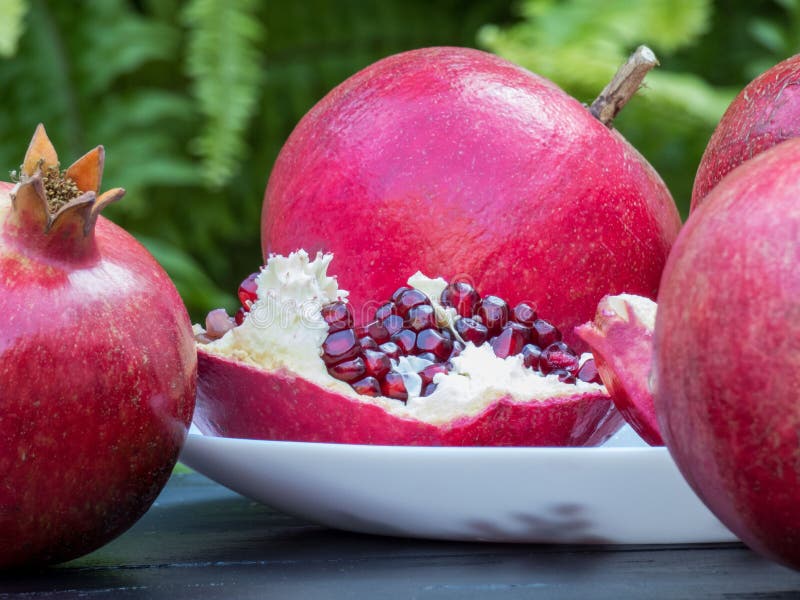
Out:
{"x": 224, "y": 63}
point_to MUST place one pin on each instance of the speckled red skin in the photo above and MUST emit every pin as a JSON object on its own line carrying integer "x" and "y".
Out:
{"x": 623, "y": 350}
{"x": 238, "y": 400}
{"x": 766, "y": 112}
{"x": 97, "y": 384}
{"x": 462, "y": 165}
{"x": 727, "y": 352}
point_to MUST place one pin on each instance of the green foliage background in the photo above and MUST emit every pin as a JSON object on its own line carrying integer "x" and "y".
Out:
{"x": 193, "y": 100}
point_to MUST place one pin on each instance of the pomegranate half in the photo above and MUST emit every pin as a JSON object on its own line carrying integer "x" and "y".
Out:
{"x": 727, "y": 352}
{"x": 458, "y": 163}
{"x": 437, "y": 365}
{"x": 766, "y": 112}
{"x": 97, "y": 365}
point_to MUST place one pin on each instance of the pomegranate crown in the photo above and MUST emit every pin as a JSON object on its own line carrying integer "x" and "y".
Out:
{"x": 61, "y": 200}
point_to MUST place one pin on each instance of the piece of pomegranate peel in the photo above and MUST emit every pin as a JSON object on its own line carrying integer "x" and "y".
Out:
{"x": 283, "y": 374}
{"x": 621, "y": 340}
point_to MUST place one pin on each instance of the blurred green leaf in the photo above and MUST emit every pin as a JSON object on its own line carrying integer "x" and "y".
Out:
{"x": 12, "y": 14}
{"x": 194, "y": 286}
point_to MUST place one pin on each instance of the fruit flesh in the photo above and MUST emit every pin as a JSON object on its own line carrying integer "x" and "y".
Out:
{"x": 413, "y": 156}
{"x": 727, "y": 348}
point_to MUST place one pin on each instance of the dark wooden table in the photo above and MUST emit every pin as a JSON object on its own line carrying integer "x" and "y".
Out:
{"x": 201, "y": 540}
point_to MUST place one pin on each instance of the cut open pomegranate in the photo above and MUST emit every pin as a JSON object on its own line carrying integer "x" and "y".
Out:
{"x": 436, "y": 364}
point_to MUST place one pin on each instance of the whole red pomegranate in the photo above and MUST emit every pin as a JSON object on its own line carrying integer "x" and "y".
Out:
{"x": 765, "y": 113}
{"x": 727, "y": 352}
{"x": 461, "y": 164}
{"x": 97, "y": 365}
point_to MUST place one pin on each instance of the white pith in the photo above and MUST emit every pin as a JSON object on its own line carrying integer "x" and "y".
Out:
{"x": 630, "y": 306}
{"x": 284, "y": 330}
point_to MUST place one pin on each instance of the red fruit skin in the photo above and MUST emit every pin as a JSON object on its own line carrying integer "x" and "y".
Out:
{"x": 766, "y": 112}
{"x": 97, "y": 384}
{"x": 463, "y": 165}
{"x": 727, "y": 352}
{"x": 238, "y": 400}
{"x": 622, "y": 347}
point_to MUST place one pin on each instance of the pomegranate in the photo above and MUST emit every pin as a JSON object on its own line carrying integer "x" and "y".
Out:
{"x": 97, "y": 365}
{"x": 458, "y": 163}
{"x": 621, "y": 340}
{"x": 727, "y": 352}
{"x": 437, "y": 364}
{"x": 765, "y": 113}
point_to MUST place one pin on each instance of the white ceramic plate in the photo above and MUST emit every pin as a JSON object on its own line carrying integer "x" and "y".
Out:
{"x": 606, "y": 495}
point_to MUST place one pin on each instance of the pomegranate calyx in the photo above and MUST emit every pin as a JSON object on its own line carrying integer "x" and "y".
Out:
{"x": 60, "y": 201}
{"x": 624, "y": 85}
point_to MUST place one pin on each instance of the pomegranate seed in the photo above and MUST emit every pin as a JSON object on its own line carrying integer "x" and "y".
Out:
{"x": 524, "y": 313}
{"x": 218, "y": 323}
{"x": 405, "y": 339}
{"x": 461, "y": 296}
{"x": 458, "y": 348}
{"x": 409, "y": 300}
{"x": 367, "y": 343}
{"x": 393, "y": 386}
{"x": 393, "y": 324}
{"x": 399, "y": 292}
{"x": 369, "y": 386}
{"x": 239, "y": 316}
{"x": 472, "y": 331}
{"x": 508, "y": 343}
{"x": 248, "y": 291}
{"x": 376, "y": 330}
{"x": 588, "y": 372}
{"x": 430, "y": 340}
{"x": 337, "y": 315}
{"x": 526, "y": 332}
{"x": 385, "y": 310}
{"x": 421, "y": 317}
{"x": 429, "y": 389}
{"x": 377, "y": 363}
{"x": 349, "y": 370}
{"x": 530, "y": 356}
{"x": 428, "y": 373}
{"x": 429, "y": 356}
{"x": 564, "y": 376}
{"x": 390, "y": 349}
{"x": 493, "y": 312}
{"x": 339, "y": 346}
{"x": 545, "y": 333}
{"x": 558, "y": 356}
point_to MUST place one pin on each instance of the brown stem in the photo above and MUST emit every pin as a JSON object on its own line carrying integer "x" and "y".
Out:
{"x": 626, "y": 82}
